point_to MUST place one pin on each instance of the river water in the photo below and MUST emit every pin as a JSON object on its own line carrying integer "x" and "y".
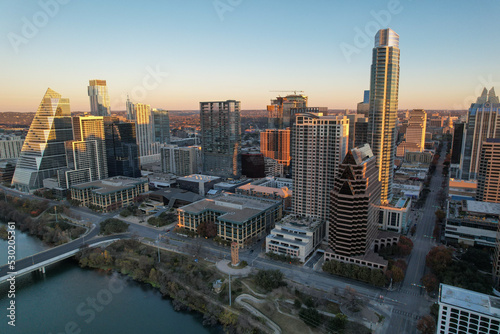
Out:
{"x": 69, "y": 299}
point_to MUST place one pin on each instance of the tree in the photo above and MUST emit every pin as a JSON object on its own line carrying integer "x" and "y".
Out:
{"x": 269, "y": 279}
{"x": 426, "y": 325}
{"x": 438, "y": 259}
{"x": 207, "y": 229}
{"x": 397, "y": 274}
{"x": 440, "y": 215}
{"x": 430, "y": 282}
{"x": 337, "y": 324}
{"x": 112, "y": 225}
{"x": 310, "y": 316}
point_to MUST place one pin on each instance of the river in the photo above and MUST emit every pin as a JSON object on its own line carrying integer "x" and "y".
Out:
{"x": 69, "y": 299}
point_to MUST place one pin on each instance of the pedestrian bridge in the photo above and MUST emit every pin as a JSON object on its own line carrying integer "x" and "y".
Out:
{"x": 53, "y": 255}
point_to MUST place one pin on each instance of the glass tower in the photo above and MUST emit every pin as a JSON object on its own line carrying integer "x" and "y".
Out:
{"x": 221, "y": 138}
{"x": 43, "y": 151}
{"x": 384, "y": 86}
{"x": 122, "y": 151}
{"x": 99, "y": 98}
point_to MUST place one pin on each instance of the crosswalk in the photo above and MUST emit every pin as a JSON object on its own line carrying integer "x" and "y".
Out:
{"x": 410, "y": 292}
{"x": 406, "y": 314}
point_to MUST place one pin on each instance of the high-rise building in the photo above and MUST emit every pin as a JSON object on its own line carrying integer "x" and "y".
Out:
{"x": 130, "y": 110}
{"x": 415, "y": 131}
{"x": 353, "y": 125}
{"x": 221, "y": 138}
{"x": 181, "y": 161}
{"x": 89, "y": 147}
{"x": 43, "y": 151}
{"x": 483, "y": 122}
{"x": 364, "y": 106}
{"x": 360, "y": 132}
{"x": 354, "y": 203}
{"x": 488, "y": 187}
{"x": 384, "y": 85}
{"x": 275, "y": 144}
{"x": 144, "y": 128}
{"x": 280, "y": 114}
{"x": 458, "y": 137}
{"x": 122, "y": 150}
{"x": 161, "y": 123}
{"x": 318, "y": 146}
{"x": 99, "y": 98}
{"x": 10, "y": 146}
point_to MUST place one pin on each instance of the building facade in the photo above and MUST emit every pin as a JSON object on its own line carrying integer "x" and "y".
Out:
{"x": 144, "y": 129}
{"x": 221, "y": 138}
{"x": 483, "y": 122}
{"x": 319, "y": 145}
{"x": 354, "y": 203}
{"x": 384, "y": 86}
{"x": 275, "y": 144}
{"x": 99, "y": 98}
{"x": 10, "y": 146}
{"x": 488, "y": 185}
{"x": 43, "y": 152}
{"x": 161, "y": 123}
{"x": 122, "y": 151}
{"x": 296, "y": 236}
{"x": 240, "y": 219}
{"x": 280, "y": 115}
{"x": 109, "y": 194}
{"x": 466, "y": 311}
{"x": 181, "y": 161}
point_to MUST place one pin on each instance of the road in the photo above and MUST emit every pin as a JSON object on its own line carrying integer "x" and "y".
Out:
{"x": 413, "y": 299}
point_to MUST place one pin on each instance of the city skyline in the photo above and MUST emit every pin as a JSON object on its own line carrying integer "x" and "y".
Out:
{"x": 199, "y": 52}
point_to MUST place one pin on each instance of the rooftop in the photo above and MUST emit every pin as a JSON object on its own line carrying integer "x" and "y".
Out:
{"x": 199, "y": 178}
{"x": 470, "y": 300}
{"x": 111, "y": 185}
{"x": 301, "y": 222}
{"x": 482, "y": 207}
{"x": 234, "y": 208}
{"x": 283, "y": 192}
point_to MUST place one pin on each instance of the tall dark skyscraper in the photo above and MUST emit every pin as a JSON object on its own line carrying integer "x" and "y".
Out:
{"x": 221, "y": 138}
{"x": 458, "y": 137}
{"x": 384, "y": 86}
{"x": 122, "y": 151}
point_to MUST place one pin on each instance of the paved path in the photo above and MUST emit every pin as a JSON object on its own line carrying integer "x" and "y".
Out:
{"x": 241, "y": 300}
{"x": 223, "y": 266}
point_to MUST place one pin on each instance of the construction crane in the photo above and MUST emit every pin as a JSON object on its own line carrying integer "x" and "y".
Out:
{"x": 287, "y": 91}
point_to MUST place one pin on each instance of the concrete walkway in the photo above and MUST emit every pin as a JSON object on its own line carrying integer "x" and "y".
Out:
{"x": 223, "y": 266}
{"x": 241, "y": 300}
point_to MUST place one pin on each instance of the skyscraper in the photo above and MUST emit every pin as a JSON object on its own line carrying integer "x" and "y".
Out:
{"x": 280, "y": 110}
{"x": 145, "y": 133}
{"x": 43, "y": 151}
{"x": 483, "y": 122}
{"x": 363, "y": 107}
{"x": 99, "y": 98}
{"x": 221, "y": 138}
{"x": 415, "y": 132}
{"x": 318, "y": 146}
{"x": 161, "y": 123}
{"x": 354, "y": 203}
{"x": 122, "y": 151}
{"x": 130, "y": 110}
{"x": 384, "y": 85}
{"x": 488, "y": 187}
{"x": 89, "y": 147}
{"x": 275, "y": 144}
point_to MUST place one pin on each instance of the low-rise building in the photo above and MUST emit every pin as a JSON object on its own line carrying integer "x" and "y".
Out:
{"x": 395, "y": 216}
{"x": 466, "y": 311}
{"x": 175, "y": 197}
{"x": 231, "y": 185}
{"x": 109, "y": 194}
{"x": 282, "y": 194}
{"x": 10, "y": 146}
{"x": 240, "y": 219}
{"x": 472, "y": 223}
{"x": 198, "y": 183}
{"x": 461, "y": 190}
{"x": 7, "y": 168}
{"x": 408, "y": 190}
{"x": 297, "y": 236}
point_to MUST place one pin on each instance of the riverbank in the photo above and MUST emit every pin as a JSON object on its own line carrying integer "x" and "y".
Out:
{"x": 187, "y": 281}
{"x": 35, "y": 218}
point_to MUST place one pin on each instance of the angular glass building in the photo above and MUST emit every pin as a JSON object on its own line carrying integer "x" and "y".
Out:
{"x": 43, "y": 151}
{"x": 384, "y": 86}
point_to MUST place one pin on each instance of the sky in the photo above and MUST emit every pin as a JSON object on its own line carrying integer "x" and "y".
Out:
{"x": 173, "y": 54}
